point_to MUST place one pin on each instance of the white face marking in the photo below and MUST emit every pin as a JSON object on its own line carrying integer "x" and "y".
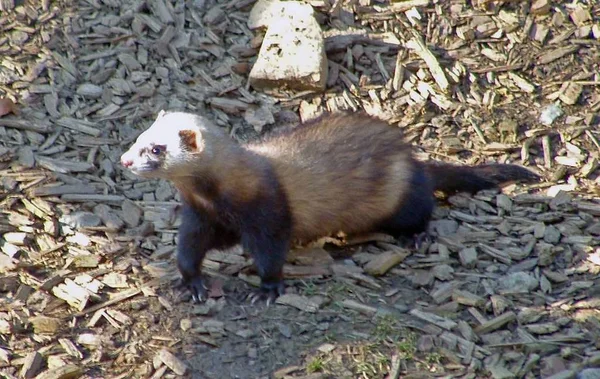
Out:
{"x": 158, "y": 150}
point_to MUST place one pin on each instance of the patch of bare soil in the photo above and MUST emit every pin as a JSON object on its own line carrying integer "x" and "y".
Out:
{"x": 506, "y": 287}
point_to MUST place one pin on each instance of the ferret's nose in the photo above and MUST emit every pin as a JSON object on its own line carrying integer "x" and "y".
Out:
{"x": 126, "y": 162}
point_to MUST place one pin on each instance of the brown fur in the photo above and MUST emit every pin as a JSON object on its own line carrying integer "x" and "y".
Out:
{"x": 230, "y": 173}
{"x": 340, "y": 173}
{"x": 348, "y": 173}
{"x": 344, "y": 172}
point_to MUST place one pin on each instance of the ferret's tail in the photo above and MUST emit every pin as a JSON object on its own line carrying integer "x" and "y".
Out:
{"x": 450, "y": 178}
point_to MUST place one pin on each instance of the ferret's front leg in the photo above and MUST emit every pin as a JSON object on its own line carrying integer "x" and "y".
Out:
{"x": 266, "y": 231}
{"x": 269, "y": 251}
{"x": 198, "y": 233}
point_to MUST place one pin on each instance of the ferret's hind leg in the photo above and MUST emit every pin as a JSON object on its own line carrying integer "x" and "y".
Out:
{"x": 198, "y": 233}
{"x": 414, "y": 212}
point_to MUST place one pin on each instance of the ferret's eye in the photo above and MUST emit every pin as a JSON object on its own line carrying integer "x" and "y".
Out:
{"x": 157, "y": 150}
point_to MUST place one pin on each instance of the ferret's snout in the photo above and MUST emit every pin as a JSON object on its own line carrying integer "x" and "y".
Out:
{"x": 126, "y": 162}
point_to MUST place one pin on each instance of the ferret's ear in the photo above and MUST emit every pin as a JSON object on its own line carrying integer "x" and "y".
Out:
{"x": 190, "y": 139}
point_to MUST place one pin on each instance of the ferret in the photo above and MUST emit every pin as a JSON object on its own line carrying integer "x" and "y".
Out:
{"x": 349, "y": 173}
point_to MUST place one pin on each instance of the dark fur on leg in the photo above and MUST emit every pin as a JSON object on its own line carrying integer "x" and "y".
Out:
{"x": 413, "y": 214}
{"x": 267, "y": 238}
{"x": 269, "y": 256}
{"x": 197, "y": 235}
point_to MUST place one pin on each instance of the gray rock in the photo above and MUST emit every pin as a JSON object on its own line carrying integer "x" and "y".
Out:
{"x": 594, "y": 229}
{"x": 89, "y": 90}
{"x": 144, "y": 230}
{"x": 285, "y": 330}
{"x": 18, "y": 37}
{"x": 568, "y": 229}
{"x": 7, "y": 76}
{"x": 130, "y": 61}
{"x": 518, "y": 282}
{"x": 164, "y": 191}
{"x": 426, "y": 343}
{"x": 422, "y": 278}
{"x": 81, "y": 220}
{"x": 468, "y": 257}
{"x": 133, "y": 194}
{"x": 589, "y": 373}
{"x": 525, "y": 265}
{"x": 504, "y": 202}
{"x": 551, "y": 234}
{"x": 258, "y": 117}
{"x": 102, "y": 210}
{"x": 529, "y": 315}
{"x": 214, "y": 16}
{"x": 9, "y": 184}
{"x": 107, "y": 166}
{"x": 132, "y": 214}
{"x": 443, "y": 272}
{"x": 444, "y": 227}
{"x": 108, "y": 216}
{"x": 245, "y": 333}
{"x": 26, "y": 158}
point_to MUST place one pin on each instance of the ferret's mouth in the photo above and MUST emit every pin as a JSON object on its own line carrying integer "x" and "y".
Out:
{"x": 144, "y": 170}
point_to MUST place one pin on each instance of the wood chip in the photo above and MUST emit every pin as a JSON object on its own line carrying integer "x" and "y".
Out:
{"x": 384, "y": 262}
{"x": 496, "y": 323}
{"x": 417, "y": 44}
{"x": 79, "y": 125}
{"x": 436, "y": 320}
{"x": 172, "y": 362}
{"x": 300, "y": 302}
{"x": 362, "y": 308}
{"x": 45, "y": 325}
{"x": 62, "y": 372}
{"x": 33, "y": 365}
{"x": 555, "y": 54}
{"x": 80, "y": 235}
{"x": 467, "y": 298}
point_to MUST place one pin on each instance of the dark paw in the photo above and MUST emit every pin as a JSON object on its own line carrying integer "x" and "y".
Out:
{"x": 268, "y": 292}
{"x": 196, "y": 288}
{"x": 420, "y": 239}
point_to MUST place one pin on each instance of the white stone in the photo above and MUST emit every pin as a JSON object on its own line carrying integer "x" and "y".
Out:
{"x": 293, "y": 52}
{"x": 263, "y": 13}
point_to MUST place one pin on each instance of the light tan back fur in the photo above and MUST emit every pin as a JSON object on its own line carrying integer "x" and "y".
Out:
{"x": 343, "y": 173}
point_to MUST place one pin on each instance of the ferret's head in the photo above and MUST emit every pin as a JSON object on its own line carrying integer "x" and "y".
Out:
{"x": 167, "y": 147}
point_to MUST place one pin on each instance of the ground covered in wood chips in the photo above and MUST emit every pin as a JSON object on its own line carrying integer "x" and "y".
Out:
{"x": 506, "y": 287}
